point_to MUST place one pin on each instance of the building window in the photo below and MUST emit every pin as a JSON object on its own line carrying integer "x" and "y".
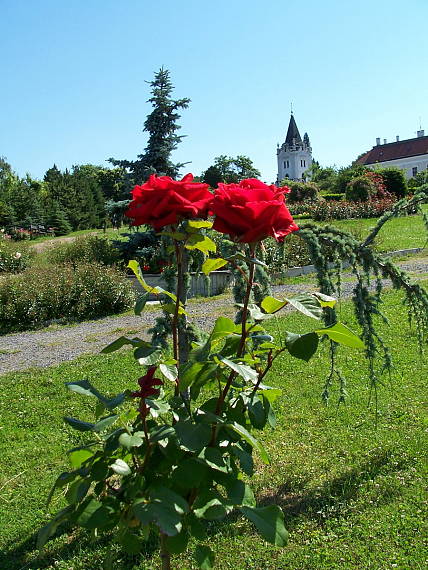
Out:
{"x": 414, "y": 171}
{"x": 285, "y": 164}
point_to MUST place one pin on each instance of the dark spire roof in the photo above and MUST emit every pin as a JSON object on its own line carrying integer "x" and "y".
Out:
{"x": 293, "y": 132}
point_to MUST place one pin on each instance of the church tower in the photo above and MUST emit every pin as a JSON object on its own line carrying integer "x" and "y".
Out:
{"x": 295, "y": 154}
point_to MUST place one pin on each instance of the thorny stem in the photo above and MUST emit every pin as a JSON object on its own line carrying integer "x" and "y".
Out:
{"x": 244, "y": 334}
{"x": 164, "y": 553}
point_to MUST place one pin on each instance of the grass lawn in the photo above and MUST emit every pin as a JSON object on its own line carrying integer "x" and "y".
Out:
{"x": 399, "y": 233}
{"x": 352, "y": 494}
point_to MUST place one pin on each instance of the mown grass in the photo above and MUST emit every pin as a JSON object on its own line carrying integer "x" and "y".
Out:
{"x": 352, "y": 493}
{"x": 399, "y": 233}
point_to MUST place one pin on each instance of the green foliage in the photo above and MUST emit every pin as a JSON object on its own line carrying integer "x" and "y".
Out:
{"x": 161, "y": 124}
{"x": 85, "y": 249}
{"x": 345, "y": 175}
{"x": 419, "y": 180}
{"x": 330, "y": 196}
{"x": 301, "y": 191}
{"x": 360, "y": 189}
{"x": 229, "y": 170}
{"x": 39, "y": 296}
{"x": 394, "y": 180}
{"x": 14, "y": 258}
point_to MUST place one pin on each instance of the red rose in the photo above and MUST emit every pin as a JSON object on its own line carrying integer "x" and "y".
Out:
{"x": 251, "y": 211}
{"x": 162, "y": 201}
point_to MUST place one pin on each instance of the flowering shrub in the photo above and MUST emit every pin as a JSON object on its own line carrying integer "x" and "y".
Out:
{"x": 38, "y": 296}
{"x": 85, "y": 249}
{"x": 13, "y": 258}
{"x": 346, "y": 210}
{"x": 184, "y": 456}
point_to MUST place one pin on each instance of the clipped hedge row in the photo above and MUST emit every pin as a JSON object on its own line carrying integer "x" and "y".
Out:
{"x": 39, "y": 296}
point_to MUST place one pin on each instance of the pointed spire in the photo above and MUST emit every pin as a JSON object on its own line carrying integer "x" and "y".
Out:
{"x": 293, "y": 135}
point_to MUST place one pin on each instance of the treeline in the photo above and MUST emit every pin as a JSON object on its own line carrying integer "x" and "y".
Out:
{"x": 76, "y": 199}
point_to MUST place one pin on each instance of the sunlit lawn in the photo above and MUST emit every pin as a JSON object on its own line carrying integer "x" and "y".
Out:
{"x": 352, "y": 494}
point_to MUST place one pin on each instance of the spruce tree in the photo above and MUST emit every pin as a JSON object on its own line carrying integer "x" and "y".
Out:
{"x": 162, "y": 127}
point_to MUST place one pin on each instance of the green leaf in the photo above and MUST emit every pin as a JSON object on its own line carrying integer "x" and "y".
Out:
{"x": 121, "y": 467}
{"x": 223, "y": 327}
{"x": 148, "y": 355}
{"x": 302, "y": 346}
{"x": 178, "y": 543}
{"x": 255, "y": 313}
{"x": 140, "y": 303}
{"x": 213, "y": 264}
{"x": 50, "y": 529}
{"x": 269, "y": 521}
{"x": 271, "y": 305}
{"x": 246, "y": 435}
{"x": 128, "y": 441}
{"x": 170, "y": 308}
{"x": 341, "y": 334}
{"x": 165, "y": 508}
{"x": 240, "y": 494}
{"x": 122, "y": 341}
{"x": 157, "y": 407}
{"x": 105, "y": 423}
{"x": 213, "y": 458}
{"x": 79, "y": 424}
{"x": 256, "y": 413}
{"x": 135, "y": 267}
{"x": 161, "y": 433}
{"x": 307, "y": 304}
{"x": 199, "y": 224}
{"x": 169, "y": 371}
{"x": 325, "y": 300}
{"x": 242, "y": 370}
{"x": 245, "y": 459}
{"x": 190, "y": 473}
{"x": 204, "y": 557}
{"x": 78, "y": 456}
{"x": 193, "y": 437}
{"x": 131, "y": 543}
{"x": 94, "y": 515}
{"x": 202, "y": 243}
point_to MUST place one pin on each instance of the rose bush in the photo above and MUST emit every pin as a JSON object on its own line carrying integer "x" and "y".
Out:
{"x": 162, "y": 201}
{"x": 185, "y": 457}
{"x": 251, "y": 211}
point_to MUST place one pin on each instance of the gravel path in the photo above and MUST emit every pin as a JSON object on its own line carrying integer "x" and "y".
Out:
{"x": 47, "y": 347}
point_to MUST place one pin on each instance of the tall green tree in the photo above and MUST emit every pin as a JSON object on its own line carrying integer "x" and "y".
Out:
{"x": 161, "y": 124}
{"x": 230, "y": 170}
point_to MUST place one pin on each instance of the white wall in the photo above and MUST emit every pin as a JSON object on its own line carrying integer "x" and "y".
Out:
{"x": 406, "y": 164}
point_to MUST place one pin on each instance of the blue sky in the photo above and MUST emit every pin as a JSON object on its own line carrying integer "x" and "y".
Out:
{"x": 73, "y": 81}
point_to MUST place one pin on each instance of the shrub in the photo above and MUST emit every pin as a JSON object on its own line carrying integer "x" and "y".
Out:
{"x": 302, "y": 191}
{"x": 333, "y": 196}
{"x": 360, "y": 189}
{"x": 347, "y": 210}
{"x": 85, "y": 249}
{"x": 14, "y": 258}
{"x": 292, "y": 252}
{"x": 394, "y": 180}
{"x": 38, "y": 296}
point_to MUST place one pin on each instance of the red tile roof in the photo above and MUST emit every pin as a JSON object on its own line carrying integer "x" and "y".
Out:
{"x": 395, "y": 150}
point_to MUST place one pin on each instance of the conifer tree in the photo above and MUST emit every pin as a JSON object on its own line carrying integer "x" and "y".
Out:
{"x": 161, "y": 124}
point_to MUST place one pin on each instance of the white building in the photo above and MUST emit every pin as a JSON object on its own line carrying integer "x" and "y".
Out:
{"x": 410, "y": 155}
{"x": 295, "y": 155}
